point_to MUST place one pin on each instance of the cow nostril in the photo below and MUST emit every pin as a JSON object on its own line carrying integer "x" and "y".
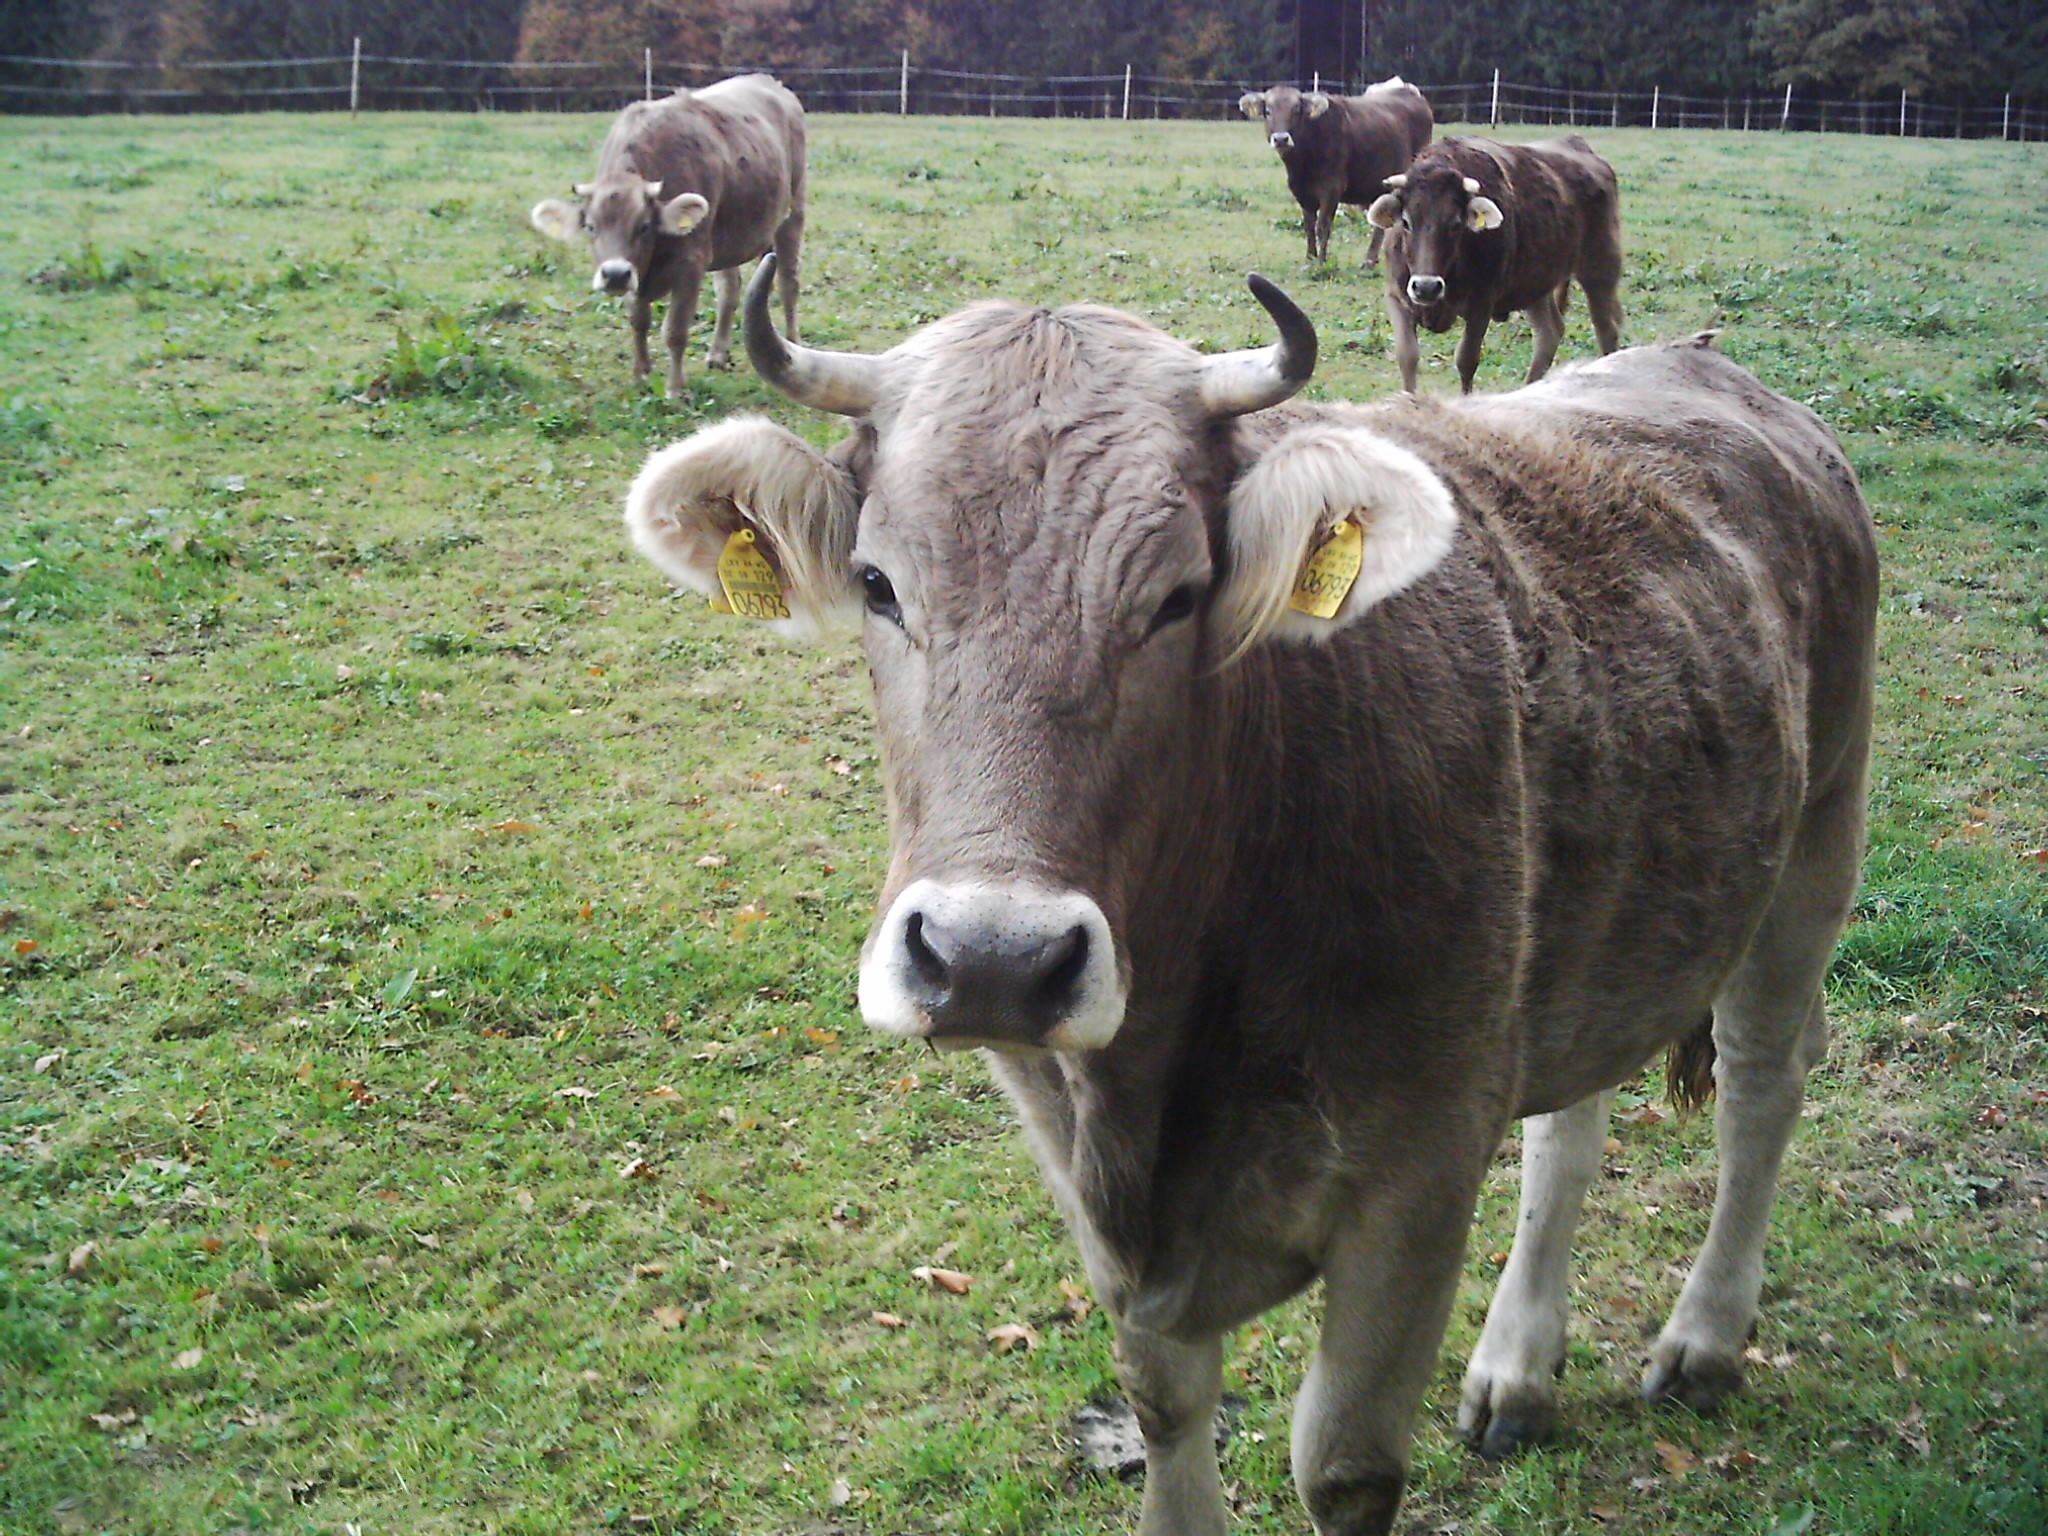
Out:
{"x": 1065, "y": 961}
{"x": 930, "y": 966}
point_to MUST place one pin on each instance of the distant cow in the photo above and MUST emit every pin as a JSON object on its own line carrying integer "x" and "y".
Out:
{"x": 1481, "y": 230}
{"x": 1341, "y": 149}
{"x": 702, "y": 181}
{"x": 1290, "y": 800}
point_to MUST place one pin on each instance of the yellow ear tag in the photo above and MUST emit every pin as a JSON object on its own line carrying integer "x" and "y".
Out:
{"x": 1330, "y": 571}
{"x": 752, "y": 589}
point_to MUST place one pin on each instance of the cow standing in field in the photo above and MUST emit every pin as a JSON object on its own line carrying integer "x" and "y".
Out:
{"x": 1341, "y": 149}
{"x": 701, "y": 181}
{"x": 1481, "y": 230}
{"x": 1289, "y": 800}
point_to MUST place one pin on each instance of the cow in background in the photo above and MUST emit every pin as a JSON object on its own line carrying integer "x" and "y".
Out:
{"x": 1482, "y": 229}
{"x": 701, "y": 181}
{"x": 1289, "y": 799}
{"x": 1341, "y": 149}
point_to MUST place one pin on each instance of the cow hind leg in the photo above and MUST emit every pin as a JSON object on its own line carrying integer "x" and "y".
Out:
{"x": 1174, "y": 1389}
{"x": 1510, "y": 1393}
{"x": 726, "y": 283}
{"x": 789, "y": 255}
{"x": 1547, "y": 320}
{"x": 1770, "y": 1030}
{"x": 1605, "y": 308}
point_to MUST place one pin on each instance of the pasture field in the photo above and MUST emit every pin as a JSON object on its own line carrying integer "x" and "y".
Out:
{"x": 430, "y": 1097}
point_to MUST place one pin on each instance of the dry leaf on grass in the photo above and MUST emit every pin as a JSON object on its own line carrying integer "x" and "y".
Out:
{"x": 1013, "y": 1336}
{"x": 886, "y": 1320}
{"x": 943, "y": 1279}
{"x": 1678, "y": 1461}
{"x": 81, "y": 1258}
{"x": 671, "y": 1317}
{"x": 188, "y": 1360}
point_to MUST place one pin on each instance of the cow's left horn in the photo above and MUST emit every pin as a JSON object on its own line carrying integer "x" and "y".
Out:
{"x": 842, "y": 382}
{"x": 1234, "y": 383}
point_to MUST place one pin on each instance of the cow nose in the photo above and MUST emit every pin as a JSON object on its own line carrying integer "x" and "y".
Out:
{"x": 1425, "y": 290}
{"x": 613, "y": 277}
{"x": 1283, "y": 141}
{"x": 1010, "y": 967}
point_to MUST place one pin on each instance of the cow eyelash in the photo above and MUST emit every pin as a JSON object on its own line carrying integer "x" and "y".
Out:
{"x": 880, "y": 595}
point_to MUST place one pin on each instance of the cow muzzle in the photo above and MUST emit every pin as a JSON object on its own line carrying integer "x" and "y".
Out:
{"x": 1283, "y": 142}
{"x": 1008, "y": 967}
{"x": 613, "y": 277}
{"x": 1425, "y": 290}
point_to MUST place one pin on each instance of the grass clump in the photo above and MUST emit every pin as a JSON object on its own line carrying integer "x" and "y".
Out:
{"x": 448, "y": 360}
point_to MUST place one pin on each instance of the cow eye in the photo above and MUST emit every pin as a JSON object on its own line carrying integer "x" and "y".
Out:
{"x": 1179, "y": 604}
{"x": 880, "y": 595}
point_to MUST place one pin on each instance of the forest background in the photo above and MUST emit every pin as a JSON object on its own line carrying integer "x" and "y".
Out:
{"x": 1936, "y": 50}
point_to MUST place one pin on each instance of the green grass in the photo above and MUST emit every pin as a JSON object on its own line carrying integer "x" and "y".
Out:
{"x": 426, "y": 944}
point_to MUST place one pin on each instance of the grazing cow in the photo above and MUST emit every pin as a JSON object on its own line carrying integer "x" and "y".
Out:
{"x": 1290, "y": 800}
{"x": 701, "y": 181}
{"x": 1481, "y": 230}
{"x": 1341, "y": 149}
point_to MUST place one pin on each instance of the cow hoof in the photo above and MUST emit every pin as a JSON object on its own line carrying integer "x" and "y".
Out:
{"x": 1498, "y": 1433}
{"x": 1691, "y": 1376}
{"x": 722, "y": 361}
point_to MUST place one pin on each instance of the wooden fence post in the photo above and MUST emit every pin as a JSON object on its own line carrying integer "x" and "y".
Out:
{"x": 647, "y": 64}
{"x": 2005, "y": 123}
{"x": 1493, "y": 116}
{"x": 355, "y": 77}
{"x": 1656, "y": 102}
{"x": 903, "y": 87}
{"x": 1127, "y": 93}
{"x": 1785, "y": 117}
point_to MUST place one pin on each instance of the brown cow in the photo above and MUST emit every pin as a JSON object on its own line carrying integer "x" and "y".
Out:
{"x": 1341, "y": 149}
{"x": 1290, "y": 800}
{"x": 1481, "y": 230}
{"x": 701, "y": 181}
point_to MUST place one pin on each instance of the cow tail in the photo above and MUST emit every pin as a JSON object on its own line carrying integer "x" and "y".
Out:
{"x": 1689, "y": 1067}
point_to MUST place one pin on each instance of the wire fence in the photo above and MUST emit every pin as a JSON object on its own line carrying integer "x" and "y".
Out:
{"x": 357, "y": 81}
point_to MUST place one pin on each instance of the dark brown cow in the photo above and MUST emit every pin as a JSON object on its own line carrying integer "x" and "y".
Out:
{"x": 1290, "y": 800}
{"x": 701, "y": 181}
{"x": 1481, "y": 230}
{"x": 1341, "y": 149}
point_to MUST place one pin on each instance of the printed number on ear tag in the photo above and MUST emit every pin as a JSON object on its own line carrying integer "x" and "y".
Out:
{"x": 752, "y": 589}
{"x": 1330, "y": 571}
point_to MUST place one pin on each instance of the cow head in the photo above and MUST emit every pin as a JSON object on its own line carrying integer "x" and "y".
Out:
{"x": 1287, "y": 113}
{"x": 1059, "y": 547}
{"x": 1435, "y": 207}
{"x": 623, "y": 216}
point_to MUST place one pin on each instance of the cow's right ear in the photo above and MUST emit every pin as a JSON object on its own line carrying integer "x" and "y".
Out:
{"x": 556, "y": 219}
{"x": 1252, "y": 104}
{"x": 776, "y": 511}
{"x": 1330, "y": 521}
{"x": 683, "y": 213}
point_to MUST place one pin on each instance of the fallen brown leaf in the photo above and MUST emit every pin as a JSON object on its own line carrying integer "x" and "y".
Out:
{"x": 81, "y": 1258}
{"x": 1678, "y": 1461}
{"x": 188, "y": 1360}
{"x": 886, "y": 1320}
{"x": 943, "y": 1279}
{"x": 671, "y": 1317}
{"x": 1012, "y": 1336}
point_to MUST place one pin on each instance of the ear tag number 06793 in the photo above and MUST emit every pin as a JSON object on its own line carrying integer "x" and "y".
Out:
{"x": 1330, "y": 571}
{"x": 752, "y": 589}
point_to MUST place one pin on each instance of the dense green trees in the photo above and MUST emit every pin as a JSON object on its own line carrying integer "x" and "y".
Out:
{"x": 1954, "y": 49}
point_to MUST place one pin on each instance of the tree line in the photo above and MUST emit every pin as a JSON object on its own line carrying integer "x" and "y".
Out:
{"x": 1936, "y": 50}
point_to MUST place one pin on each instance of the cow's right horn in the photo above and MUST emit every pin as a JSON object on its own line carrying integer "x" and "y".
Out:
{"x": 1235, "y": 383}
{"x": 841, "y": 382}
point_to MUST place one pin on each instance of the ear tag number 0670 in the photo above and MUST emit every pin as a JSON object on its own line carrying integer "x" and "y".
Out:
{"x": 1330, "y": 571}
{"x": 752, "y": 589}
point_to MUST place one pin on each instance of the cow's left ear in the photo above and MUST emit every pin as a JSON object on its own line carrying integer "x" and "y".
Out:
{"x": 1318, "y": 103}
{"x": 757, "y": 520}
{"x": 1385, "y": 211}
{"x": 1481, "y": 213}
{"x": 1331, "y": 520}
{"x": 683, "y": 213}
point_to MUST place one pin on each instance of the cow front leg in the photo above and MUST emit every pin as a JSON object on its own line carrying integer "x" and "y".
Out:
{"x": 1546, "y": 318}
{"x": 640, "y": 316}
{"x": 1326, "y": 219}
{"x": 1388, "y": 1280}
{"x": 682, "y": 309}
{"x": 1510, "y": 1394}
{"x": 1407, "y": 350}
{"x": 1174, "y": 1389}
{"x": 1308, "y": 228}
{"x": 1469, "y": 347}
{"x": 726, "y": 284}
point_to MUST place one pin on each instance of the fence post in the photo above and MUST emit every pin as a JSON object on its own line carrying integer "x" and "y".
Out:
{"x": 1656, "y": 101}
{"x": 647, "y": 64}
{"x": 1493, "y": 116}
{"x": 355, "y": 78}
{"x": 1902, "y": 114}
{"x": 1127, "y": 93}
{"x": 1317, "y": 78}
{"x": 2005, "y": 123}
{"x": 903, "y": 87}
{"x": 1785, "y": 117}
